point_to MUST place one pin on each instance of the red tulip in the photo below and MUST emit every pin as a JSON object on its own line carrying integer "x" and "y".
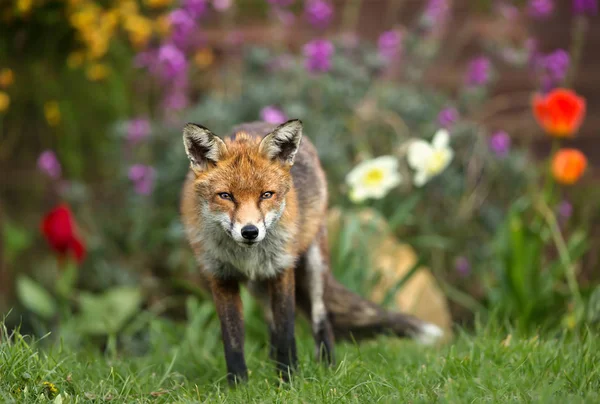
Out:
{"x": 560, "y": 112}
{"x": 58, "y": 227}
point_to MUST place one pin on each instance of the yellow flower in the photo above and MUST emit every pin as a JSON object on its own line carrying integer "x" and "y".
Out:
{"x": 204, "y": 58}
{"x": 4, "y": 101}
{"x": 158, "y": 3}
{"x": 75, "y": 59}
{"x": 52, "y": 113}
{"x": 373, "y": 178}
{"x": 162, "y": 25}
{"x": 50, "y": 390}
{"x": 24, "y": 6}
{"x": 139, "y": 28}
{"x": 6, "y": 77}
{"x": 128, "y": 8}
{"x": 97, "y": 72}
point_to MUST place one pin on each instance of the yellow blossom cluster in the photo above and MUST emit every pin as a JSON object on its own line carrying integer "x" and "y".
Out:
{"x": 6, "y": 80}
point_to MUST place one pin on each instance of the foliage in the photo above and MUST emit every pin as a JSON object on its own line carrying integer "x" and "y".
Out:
{"x": 488, "y": 366}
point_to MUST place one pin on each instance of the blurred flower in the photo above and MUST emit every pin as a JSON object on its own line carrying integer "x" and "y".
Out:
{"x": 560, "y": 112}
{"x": 280, "y": 3}
{"x": 436, "y": 13}
{"x": 138, "y": 129}
{"x": 171, "y": 61}
{"x": 221, "y": 5}
{"x": 58, "y": 227}
{"x": 318, "y": 13}
{"x": 158, "y": 3}
{"x": 554, "y": 68}
{"x": 182, "y": 25}
{"x": 479, "y": 71}
{"x": 162, "y": 25}
{"x": 565, "y": 210}
{"x": 139, "y": 29}
{"x": 52, "y": 113}
{"x": 196, "y": 8}
{"x": 429, "y": 159}
{"x": 24, "y": 6}
{"x": 97, "y": 72}
{"x": 272, "y": 114}
{"x": 373, "y": 178}
{"x": 568, "y": 165}
{"x": 500, "y": 143}
{"x": 175, "y": 100}
{"x": 48, "y": 164}
{"x": 447, "y": 117}
{"x": 50, "y": 390}
{"x": 6, "y": 77}
{"x": 204, "y": 58}
{"x": 462, "y": 266}
{"x": 142, "y": 177}
{"x": 4, "y": 101}
{"x": 390, "y": 45}
{"x": 75, "y": 59}
{"x": 317, "y": 55}
{"x": 540, "y": 8}
{"x": 285, "y": 17}
{"x": 585, "y": 7}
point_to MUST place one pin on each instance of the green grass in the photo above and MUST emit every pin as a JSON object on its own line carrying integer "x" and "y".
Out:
{"x": 184, "y": 363}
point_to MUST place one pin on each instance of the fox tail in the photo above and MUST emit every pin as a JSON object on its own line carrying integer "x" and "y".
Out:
{"x": 353, "y": 317}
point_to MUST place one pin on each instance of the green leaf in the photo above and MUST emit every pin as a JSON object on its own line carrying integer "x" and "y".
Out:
{"x": 107, "y": 313}
{"x": 403, "y": 211}
{"x": 16, "y": 240}
{"x": 35, "y": 298}
{"x": 593, "y": 308}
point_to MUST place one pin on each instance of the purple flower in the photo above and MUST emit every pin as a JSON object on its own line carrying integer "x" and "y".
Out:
{"x": 479, "y": 71}
{"x": 137, "y": 129}
{"x": 462, "y": 266}
{"x": 318, "y": 13}
{"x": 176, "y": 100}
{"x": 447, "y": 117}
{"x": 142, "y": 177}
{"x": 272, "y": 114}
{"x": 565, "y": 210}
{"x": 500, "y": 143}
{"x": 554, "y": 67}
{"x": 48, "y": 164}
{"x": 221, "y": 5}
{"x": 390, "y": 45}
{"x": 436, "y": 12}
{"x": 195, "y": 8}
{"x": 540, "y": 8}
{"x": 280, "y": 3}
{"x": 182, "y": 26}
{"x": 317, "y": 55}
{"x": 171, "y": 61}
{"x": 585, "y": 7}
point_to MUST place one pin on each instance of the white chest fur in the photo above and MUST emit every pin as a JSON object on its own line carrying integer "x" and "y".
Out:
{"x": 224, "y": 257}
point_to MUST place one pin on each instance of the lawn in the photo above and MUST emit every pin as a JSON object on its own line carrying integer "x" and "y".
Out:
{"x": 486, "y": 365}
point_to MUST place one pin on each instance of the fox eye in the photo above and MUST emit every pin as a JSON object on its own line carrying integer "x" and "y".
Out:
{"x": 225, "y": 195}
{"x": 266, "y": 195}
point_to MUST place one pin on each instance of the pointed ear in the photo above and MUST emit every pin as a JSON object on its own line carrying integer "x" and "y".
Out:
{"x": 202, "y": 147}
{"x": 282, "y": 144}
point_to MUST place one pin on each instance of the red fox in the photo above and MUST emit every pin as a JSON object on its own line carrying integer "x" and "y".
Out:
{"x": 254, "y": 209}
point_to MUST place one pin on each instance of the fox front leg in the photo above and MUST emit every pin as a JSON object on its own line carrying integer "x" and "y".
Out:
{"x": 226, "y": 295}
{"x": 283, "y": 306}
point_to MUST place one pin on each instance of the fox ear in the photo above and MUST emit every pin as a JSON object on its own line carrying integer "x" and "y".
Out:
{"x": 282, "y": 144}
{"x": 202, "y": 147}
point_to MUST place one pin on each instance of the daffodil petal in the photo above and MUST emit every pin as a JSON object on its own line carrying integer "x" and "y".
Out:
{"x": 441, "y": 139}
{"x": 420, "y": 178}
{"x": 418, "y": 154}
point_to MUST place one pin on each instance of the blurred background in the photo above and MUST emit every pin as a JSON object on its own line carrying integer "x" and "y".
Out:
{"x": 483, "y": 219}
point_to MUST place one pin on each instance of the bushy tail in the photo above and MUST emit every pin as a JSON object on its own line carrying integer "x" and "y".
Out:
{"x": 353, "y": 317}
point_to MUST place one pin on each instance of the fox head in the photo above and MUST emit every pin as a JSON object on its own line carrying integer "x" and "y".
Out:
{"x": 241, "y": 184}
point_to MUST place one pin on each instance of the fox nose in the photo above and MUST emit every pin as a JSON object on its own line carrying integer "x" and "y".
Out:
{"x": 249, "y": 232}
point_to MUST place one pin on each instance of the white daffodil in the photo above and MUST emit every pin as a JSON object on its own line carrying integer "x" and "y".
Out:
{"x": 429, "y": 159}
{"x": 373, "y": 178}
